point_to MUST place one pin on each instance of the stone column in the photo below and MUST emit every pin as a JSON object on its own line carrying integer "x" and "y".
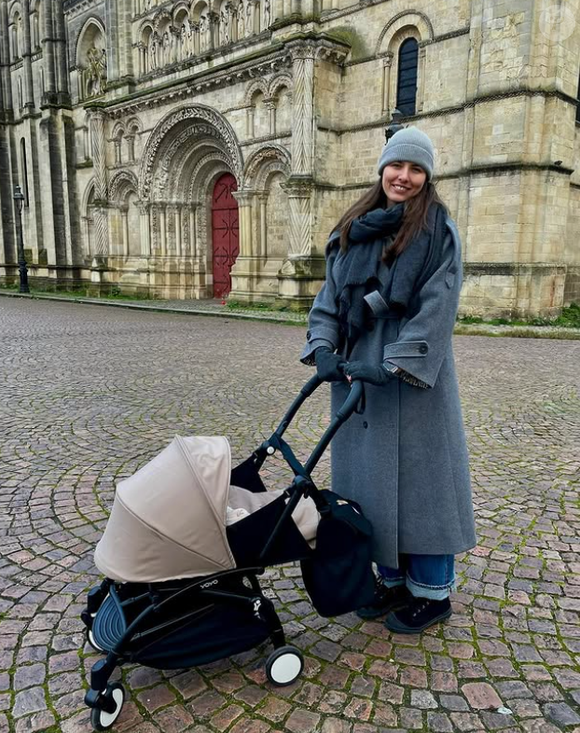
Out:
{"x": 299, "y": 276}
{"x": 303, "y": 55}
{"x": 263, "y": 243}
{"x": 26, "y": 57}
{"x": 246, "y": 270}
{"x": 245, "y": 200}
{"x": 250, "y": 122}
{"x": 145, "y": 229}
{"x": 421, "y": 78}
{"x": 193, "y": 230}
{"x": 270, "y": 105}
{"x": 178, "y": 242}
{"x": 387, "y": 64}
{"x": 163, "y": 230}
{"x": 195, "y": 41}
{"x": 214, "y": 30}
{"x": 5, "y": 82}
{"x": 125, "y": 230}
{"x": 115, "y": 27}
{"x": 97, "y": 122}
{"x": 48, "y": 51}
{"x": 60, "y": 54}
{"x": 300, "y": 229}
{"x": 299, "y": 185}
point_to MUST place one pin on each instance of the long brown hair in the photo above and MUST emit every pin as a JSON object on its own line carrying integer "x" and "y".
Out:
{"x": 414, "y": 216}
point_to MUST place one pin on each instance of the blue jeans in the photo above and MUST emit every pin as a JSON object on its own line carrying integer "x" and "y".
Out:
{"x": 426, "y": 576}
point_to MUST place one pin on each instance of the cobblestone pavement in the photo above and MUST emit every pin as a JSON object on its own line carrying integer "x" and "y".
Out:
{"x": 89, "y": 394}
{"x": 216, "y": 307}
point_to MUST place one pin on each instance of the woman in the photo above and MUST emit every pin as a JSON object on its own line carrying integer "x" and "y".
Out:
{"x": 385, "y": 315}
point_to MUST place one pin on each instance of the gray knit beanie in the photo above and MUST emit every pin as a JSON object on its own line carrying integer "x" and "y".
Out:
{"x": 409, "y": 144}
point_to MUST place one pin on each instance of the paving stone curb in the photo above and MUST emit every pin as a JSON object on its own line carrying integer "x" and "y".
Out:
{"x": 210, "y": 308}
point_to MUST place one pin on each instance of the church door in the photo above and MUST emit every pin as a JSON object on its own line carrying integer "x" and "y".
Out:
{"x": 224, "y": 233}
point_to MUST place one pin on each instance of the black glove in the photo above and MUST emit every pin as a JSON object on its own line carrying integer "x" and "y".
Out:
{"x": 328, "y": 365}
{"x": 377, "y": 375}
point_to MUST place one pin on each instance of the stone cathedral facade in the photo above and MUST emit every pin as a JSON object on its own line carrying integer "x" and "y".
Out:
{"x": 195, "y": 148}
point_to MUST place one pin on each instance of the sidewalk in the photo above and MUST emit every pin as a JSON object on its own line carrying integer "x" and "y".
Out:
{"x": 217, "y": 308}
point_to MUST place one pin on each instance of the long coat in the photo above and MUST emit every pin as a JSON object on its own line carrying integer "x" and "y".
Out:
{"x": 405, "y": 459}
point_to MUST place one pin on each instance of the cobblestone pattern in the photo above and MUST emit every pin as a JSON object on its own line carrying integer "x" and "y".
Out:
{"x": 87, "y": 395}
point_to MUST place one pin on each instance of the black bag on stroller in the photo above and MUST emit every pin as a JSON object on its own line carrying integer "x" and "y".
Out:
{"x": 338, "y": 575}
{"x": 182, "y": 583}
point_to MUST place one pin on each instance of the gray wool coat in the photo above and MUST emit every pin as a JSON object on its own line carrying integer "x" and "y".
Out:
{"x": 405, "y": 459}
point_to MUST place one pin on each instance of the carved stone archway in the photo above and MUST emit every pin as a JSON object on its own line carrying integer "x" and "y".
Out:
{"x": 184, "y": 155}
{"x": 201, "y": 120}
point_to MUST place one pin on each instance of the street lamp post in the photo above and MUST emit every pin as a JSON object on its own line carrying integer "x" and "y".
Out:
{"x": 394, "y": 125}
{"x": 22, "y": 269}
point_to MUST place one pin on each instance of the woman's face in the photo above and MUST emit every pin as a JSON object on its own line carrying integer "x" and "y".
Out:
{"x": 402, "y": 180}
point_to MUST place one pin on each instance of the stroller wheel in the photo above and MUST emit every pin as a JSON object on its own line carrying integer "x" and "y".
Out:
{"x": 91, "y": 641}
{"x": 100, "y": 719}
{"x": 284, "y": 666}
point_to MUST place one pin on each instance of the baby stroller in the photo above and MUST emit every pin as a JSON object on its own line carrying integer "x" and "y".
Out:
{"x": 182, "y": 587}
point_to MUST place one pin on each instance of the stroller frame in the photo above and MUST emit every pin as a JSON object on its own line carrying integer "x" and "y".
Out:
{"x": 238, "y": 587}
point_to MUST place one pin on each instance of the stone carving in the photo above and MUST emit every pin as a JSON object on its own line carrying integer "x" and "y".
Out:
{"x": 197, "y": 113}
{"x": 170, "y": 225}
{"x": 153, "y": 52}
{"x": 185, "y": 230}
{"x": 216, "y": 157}
{"x": 300, "y": 224}
{"x": 302, "y": 117}
{"x": 166, "y": 46}
{"x": 154, "y": 229}
{"x": 224, "y": 25}
{"x": 95, "y": 74}
{"x": 122, "y": 182}
{"x": 204, "y": 33}
{"x": 265, "y": 157}
{"x": 174, "y": 161}
{"x": 183, "y": 51}
{"x": 241, "y": 20}
{"x": 249, "y": 18}
{"x": 267, "y": 13}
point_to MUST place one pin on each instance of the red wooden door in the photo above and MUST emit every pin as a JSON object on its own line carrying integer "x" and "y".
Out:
{"x": 224, "y": 233}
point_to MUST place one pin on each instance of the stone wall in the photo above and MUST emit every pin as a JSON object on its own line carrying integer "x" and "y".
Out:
{"x": 298, "y": 109}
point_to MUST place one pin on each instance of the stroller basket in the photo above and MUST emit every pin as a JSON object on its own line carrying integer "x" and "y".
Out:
{"x": 182, "y": 587}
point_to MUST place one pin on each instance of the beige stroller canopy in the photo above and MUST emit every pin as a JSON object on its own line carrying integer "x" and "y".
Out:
{"x": 168, "y": 519}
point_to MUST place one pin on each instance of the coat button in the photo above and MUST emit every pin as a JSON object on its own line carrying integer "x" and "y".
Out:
{"x": 365, "y": 424}
{"x": 308, "y": 335}
{"x": 423, "y": 349}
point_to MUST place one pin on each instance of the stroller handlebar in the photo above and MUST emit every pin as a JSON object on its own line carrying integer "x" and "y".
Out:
{"x": 355, "y": 396}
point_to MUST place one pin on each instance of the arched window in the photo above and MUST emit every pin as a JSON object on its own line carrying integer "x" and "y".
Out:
{"x": 407, "y": 77}
{"x": 34, "y": 31}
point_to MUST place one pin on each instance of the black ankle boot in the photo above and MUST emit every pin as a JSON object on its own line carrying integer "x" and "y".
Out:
{"x": 418, "y": 615}
{"x": 385, "y": 600}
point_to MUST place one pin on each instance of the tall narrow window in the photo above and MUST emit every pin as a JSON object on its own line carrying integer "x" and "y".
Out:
{"x": 407, "y": 77}
{"x": 24, "y": 171}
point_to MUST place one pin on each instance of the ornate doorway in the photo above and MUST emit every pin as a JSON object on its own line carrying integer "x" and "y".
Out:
{"x": 224, "y": 233}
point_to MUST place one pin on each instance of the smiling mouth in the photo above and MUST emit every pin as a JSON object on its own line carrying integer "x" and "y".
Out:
{"x": 401, "y": 189}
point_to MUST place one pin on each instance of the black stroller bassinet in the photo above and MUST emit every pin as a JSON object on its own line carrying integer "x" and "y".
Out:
{"x": 209, "y": 604}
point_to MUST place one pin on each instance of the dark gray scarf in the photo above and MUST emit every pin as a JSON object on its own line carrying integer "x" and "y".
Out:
{"x": 358, "y": 275}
